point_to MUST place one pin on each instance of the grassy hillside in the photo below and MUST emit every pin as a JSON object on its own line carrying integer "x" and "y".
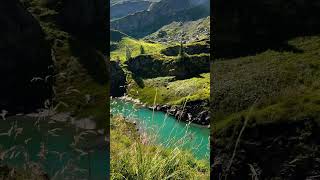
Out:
{"x": 172, "y": 91}
{"x": 135, "y": 158}
{"x": 269, "y": 104}
{"x": 134, "y": 47}
{"x": 169, "y": 89}
{"x": 80, "y": 69}
{"x": 282, "y": 85}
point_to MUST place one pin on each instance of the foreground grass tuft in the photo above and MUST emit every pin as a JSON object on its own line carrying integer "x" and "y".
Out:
{"x": 132, "y": 157}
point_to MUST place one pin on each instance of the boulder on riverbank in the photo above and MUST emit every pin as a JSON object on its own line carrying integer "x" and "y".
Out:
{"x": 195, "y": 113}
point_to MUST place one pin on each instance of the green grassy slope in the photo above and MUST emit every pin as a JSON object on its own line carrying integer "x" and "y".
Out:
{"x": 79, "y": 66}
{"x": 172, "y": 91}
{"x": 266, "y": 113}
{"x": 277, "y": 86}
{"x": 169, "y": 90}
{"x": 134, "y": 46}
{"x": 134, "y": 158}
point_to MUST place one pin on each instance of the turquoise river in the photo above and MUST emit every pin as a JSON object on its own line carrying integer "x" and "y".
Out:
{"x": 165, "y": 129}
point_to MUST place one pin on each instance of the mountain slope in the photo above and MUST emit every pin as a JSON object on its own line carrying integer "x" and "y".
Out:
{"x": 162, "y": 13}
{"x": 278, "y": 94}
{"x": 190, "y": 30}
{"x": 114, "y": 2}
{"x": 161, "y": 69}
{"x": 123, "y": 9}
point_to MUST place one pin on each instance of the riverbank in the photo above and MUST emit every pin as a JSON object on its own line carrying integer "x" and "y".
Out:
{"x": 194, "y": 112}
{"x": 135, "y": 158}
{"x": 164, "y": 129}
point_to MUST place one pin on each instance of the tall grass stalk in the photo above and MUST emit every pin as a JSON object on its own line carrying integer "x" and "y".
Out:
{"x": 137, "y": 160}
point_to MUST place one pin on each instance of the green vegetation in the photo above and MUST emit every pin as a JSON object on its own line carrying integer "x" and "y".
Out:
{"x": 79, "y": 66}
{"x": 7, "y": 173}
{"x": 134, "y": 46}
{"x": 282, "y": 86}
{"x": 142, "y": 51}
{"x": 172, "y": 91}
{"x": 134, "y": 157}
{"x": 169, "y": 90}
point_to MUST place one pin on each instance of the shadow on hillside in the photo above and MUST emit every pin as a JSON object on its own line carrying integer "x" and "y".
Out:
{"x": 249, "y": 27}
{"x": 240, "y": 50}
{"x": 91, "y": 59}
{"x": 138, "y": 80}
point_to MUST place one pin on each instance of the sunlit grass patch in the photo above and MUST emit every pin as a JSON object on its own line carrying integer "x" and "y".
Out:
{"x": 172, "y": 91}
{"x": 132, "y": 158}
{"x": 134, "y": 46}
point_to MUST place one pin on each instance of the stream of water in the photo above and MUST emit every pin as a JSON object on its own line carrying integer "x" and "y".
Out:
{"x": 165, "y": 129}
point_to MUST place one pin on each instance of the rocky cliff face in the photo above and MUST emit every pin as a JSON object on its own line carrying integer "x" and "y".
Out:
{"x": 250, "y": 26}
{"x": 118, "y": 80}
{"x": 24, "y": 54}
{"x": 190, "y": 49}
{"x": 126, "y": 8}
{"x": 195, "y": 112}
{"x": 143, "y": 23}
{"x": 147, "y": 66}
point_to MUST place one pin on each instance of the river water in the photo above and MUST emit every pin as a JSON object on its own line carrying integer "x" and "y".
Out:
{"x": 166, "y": 130}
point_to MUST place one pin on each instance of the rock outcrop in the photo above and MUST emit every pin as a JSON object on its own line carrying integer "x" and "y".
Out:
{"x": 24, "y": 54}
{"x": 191, "y": 49}
{"x": 195, "y": 112}
{"x": 148, "y": 66}
{"x": 118, "y": 80}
